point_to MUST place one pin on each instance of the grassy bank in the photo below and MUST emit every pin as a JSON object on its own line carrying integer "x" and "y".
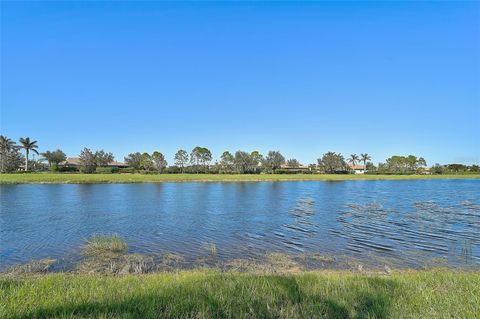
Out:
{"x": 141, "y": 178}
{"x": 110, "y": 283}
{"x": 211, "y": 294}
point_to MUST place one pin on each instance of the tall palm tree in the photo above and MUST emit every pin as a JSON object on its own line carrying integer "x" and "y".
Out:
{"x": 353, "y": 159}
{"x": 6, "y": 144}
{"x": 28, "y": 146}
{"x": 364, "y": 158}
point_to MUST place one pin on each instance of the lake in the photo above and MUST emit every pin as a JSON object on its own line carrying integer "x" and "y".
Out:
{"x": 409, "y": 223}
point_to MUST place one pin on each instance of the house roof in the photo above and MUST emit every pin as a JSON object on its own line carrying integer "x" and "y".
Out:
{"x": 71, "y": 161}
{"x": 115, "y": 163}
{"x": 358, "y": 167}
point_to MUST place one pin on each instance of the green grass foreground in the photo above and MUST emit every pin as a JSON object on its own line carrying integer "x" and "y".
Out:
{"x": 212, "y": 294}
{"x": 151, "y": 178}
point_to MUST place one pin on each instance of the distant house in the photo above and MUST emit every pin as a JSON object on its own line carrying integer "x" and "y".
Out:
{"x": 74, "y": 162}
{"x": 358, "y": 169}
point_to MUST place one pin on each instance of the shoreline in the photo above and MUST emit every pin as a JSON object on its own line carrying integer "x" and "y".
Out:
{"x": 78, "y": 178}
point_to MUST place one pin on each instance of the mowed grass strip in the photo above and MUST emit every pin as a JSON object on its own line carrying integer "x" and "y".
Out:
{"x": 212, "y": 294}
{"x": 155, "y": 178}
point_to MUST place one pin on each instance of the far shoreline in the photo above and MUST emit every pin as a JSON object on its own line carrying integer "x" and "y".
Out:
{"x": 79, "y": 178}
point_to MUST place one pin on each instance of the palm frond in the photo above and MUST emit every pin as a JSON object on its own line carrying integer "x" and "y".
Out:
{"x": 24, "y": 140}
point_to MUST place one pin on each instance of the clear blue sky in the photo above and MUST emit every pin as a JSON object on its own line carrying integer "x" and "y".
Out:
{"x": 379, "y": 77}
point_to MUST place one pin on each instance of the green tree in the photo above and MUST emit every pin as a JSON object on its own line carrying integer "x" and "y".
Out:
{"x": 437, "y": 169}
{"x": 103, "y": 158}
{"x": 365, "y": 158}
{"x": 205, "y": 158}
{"x": 243, "y": 162}
{"x": 332, "y": 162}
{"x": 28, "y": 146}
{"x": 293, "y": 163}
{"x": 200, "y": 157}
{"x": 146, "y": 162}
{"x": 54, "y": 158}
{"x": 456, "y": 168}
{"x": 134, "y": 160}
{"x": 195, "y": 157}
{"x": 382, "y": 168}
{"x": 6, "y": 144}
{"x": 88, "y": 161}
{"x": 10, "y": 157}
{"x": 353, "y": 159}
{"x": 369, "y": 167}
{"x": 411, "y": 162}
{"x": 227, "y": 161}
{"x": 398, "y": 164}
{"x": 274, "y": 160}
{"x": 256, "y": 159}
{"x": 181, "y": 159}
{"x": 474, "y": 168}
{"x": 421, "y": 162}
{"x": 159, "y": 161}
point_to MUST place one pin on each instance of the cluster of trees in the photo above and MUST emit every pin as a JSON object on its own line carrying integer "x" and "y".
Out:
{"x": 454, "y": 169}
{"x": 199, "y": 160}
{"x": 54, "y": 158}
{"x": 332, "y": 162}
{"x": 146, "y": 162}
{"x": 10, "y": 157}
{"x": 243, "y": 162}
{"x": 90, "y": 161}
{"x": 396, "y": 164}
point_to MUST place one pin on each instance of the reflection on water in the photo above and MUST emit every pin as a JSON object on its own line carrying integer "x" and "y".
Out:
{"x": 404, "y": 222}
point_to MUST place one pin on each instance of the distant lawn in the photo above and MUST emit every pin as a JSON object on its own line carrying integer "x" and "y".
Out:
{"x": 211, "y": 294}
{"x": 153, "y": 178}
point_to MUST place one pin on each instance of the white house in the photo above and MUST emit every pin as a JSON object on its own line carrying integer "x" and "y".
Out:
{"x": 358, "y": 169}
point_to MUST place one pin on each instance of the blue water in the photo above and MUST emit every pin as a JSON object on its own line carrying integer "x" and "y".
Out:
{"x": 407, "y": 222}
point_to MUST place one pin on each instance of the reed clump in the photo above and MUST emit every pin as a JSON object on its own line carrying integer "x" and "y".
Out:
{"x": 105, "y": 246}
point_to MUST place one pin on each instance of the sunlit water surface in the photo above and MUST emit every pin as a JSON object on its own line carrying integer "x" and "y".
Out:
{"x": 408, "y": 223}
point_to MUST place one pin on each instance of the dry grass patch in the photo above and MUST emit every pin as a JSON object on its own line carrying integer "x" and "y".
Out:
{"x": 33, "y": 267}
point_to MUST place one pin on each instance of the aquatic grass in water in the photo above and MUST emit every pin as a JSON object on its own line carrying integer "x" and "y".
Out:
{"x": 105, "y": 246}
{"x": 107, "y": 254}
{"x": 467, "y": 251}
{"x": 211, "y": 248}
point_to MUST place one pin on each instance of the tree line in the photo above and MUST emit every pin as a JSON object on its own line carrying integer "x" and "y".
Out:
{"x": 199, "y": 160}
